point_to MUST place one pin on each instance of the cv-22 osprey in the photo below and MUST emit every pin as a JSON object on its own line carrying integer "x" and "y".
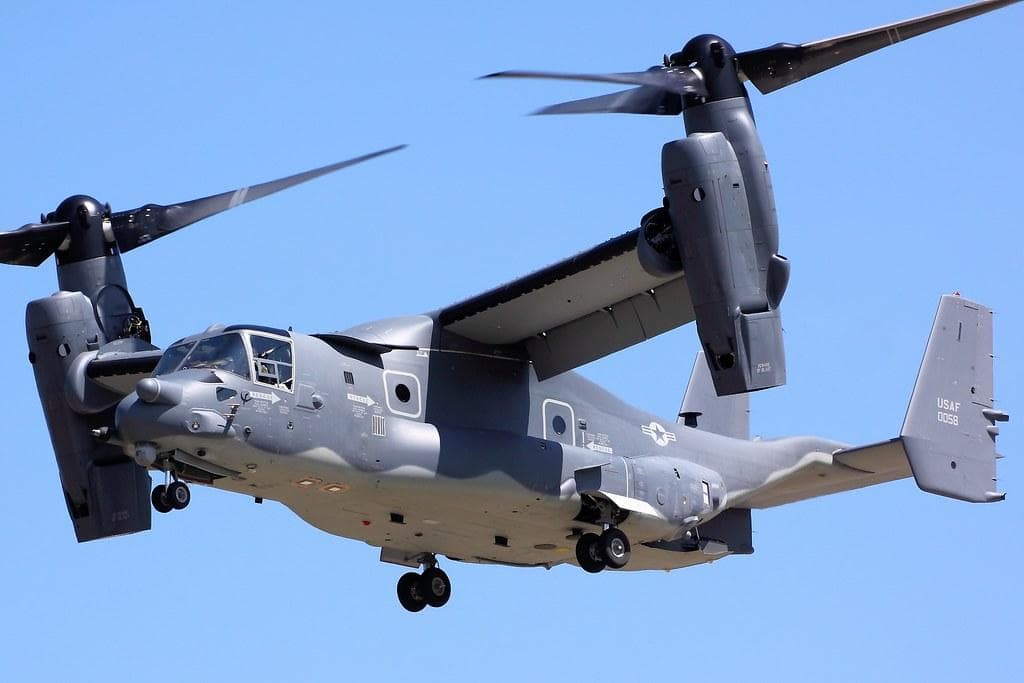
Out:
{"x": 462, "y": 432}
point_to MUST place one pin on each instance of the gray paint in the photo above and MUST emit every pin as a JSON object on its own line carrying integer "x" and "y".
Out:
{"x": 949, "y": 433}
{"x": 704, "y": 409}
{"x": 106, "y": 495}
{"x": 723, "y": 213}
{"x": 475, "y": 465}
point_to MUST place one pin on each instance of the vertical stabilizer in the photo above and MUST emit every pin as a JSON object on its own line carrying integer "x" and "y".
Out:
{"x": 949, "y": 433}
{"x": 704, "y": 409}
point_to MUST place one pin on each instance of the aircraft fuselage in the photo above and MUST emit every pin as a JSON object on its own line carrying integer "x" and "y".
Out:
{"x": 417, "y": 443}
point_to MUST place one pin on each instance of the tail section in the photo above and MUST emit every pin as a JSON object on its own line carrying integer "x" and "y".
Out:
{"x": 949, "y": 433}
{"x": 704, "y": 409}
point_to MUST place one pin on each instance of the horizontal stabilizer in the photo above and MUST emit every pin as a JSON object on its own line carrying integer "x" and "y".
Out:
{"x": 821, "y": 473}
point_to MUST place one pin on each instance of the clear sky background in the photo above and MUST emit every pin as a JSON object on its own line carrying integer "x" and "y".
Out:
{"x": 897, "y": 178}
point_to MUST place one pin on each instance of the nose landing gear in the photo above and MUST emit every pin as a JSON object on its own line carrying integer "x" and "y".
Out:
{"x": 172, "y": 496}
{"x": 610, "y": 549}
{"x": 432, "y": 588}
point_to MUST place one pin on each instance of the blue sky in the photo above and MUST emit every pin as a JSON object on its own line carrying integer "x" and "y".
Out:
{"x": 897, "y": 180}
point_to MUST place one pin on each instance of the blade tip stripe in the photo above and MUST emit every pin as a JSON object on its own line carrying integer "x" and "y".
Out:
{"x": 238, "y": 197}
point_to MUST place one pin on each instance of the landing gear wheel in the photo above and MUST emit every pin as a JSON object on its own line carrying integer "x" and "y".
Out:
{"x": 435, "y": 587}
{"x": 178, "y": 495}
{"x": 589, "y": 553}
{"x": 615, "y": 548}
{"x": 409, "y": 592}
{"x": 161, "y": 503}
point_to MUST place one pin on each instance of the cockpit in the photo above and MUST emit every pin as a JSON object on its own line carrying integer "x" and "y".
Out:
{"x": 260, "y": 355}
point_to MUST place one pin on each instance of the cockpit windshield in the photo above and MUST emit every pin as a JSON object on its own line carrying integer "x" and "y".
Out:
{"x": 222, "y": 352}
{"x": 272, "y": 362}
{"x": 172, "y": 358}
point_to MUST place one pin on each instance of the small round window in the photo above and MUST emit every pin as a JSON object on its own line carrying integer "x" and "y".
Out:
{"x": 402, "y": 393}
{"x": 558, "y": 424}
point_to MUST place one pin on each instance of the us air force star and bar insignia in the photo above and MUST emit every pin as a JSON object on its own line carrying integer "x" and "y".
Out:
{"x": 659, "y": 434}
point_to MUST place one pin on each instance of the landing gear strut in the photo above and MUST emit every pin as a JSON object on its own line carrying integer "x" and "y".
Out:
{"x": 432, "y": 588}
{"x": 174, "y": 495}
{"x": 610, "y": 549}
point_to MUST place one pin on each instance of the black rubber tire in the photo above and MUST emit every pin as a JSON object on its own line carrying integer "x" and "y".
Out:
{"x": 588, "y": 553}
{"x": 615, "y": 548}
{"x": 409, "y": 594}
{"x": 160, "y": 501}
{"x": 178, "y": 495}
{"x": 435, "y": 587}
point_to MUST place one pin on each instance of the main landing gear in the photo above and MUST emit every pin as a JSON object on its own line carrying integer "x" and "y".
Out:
{"x": 432, "y": 588}
{"x": 610, "y": 549}
{"x": 172, "y": 496}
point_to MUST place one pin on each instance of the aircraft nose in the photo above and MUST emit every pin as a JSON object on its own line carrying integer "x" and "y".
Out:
{"x": 172, "y": 413}
{"x": 152, "y": 390}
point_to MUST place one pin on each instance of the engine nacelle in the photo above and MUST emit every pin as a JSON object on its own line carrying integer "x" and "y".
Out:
{"x": 106, "y": 493}
{"x": 739, "y": 328}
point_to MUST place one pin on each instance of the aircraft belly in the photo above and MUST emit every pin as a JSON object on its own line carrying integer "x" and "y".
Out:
{"x": 474, "y": 495}
{"x": 489, "y": 517}
{"x": 450, "y": 533}
{"x": 441, "y": 521}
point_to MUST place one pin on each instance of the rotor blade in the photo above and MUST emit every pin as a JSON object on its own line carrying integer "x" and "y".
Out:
{"x": 643, "y": 100}
{"x": 679, "y": 80}
{"x": 32, "y": 244}
{"x": 152, "y": 221}
{"x": 783, "y": 64}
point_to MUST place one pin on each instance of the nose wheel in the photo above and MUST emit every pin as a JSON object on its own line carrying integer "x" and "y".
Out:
{"x": 432, "y": 588}
{"x": 173, "y": 496}
{"x": 610, "y": 549}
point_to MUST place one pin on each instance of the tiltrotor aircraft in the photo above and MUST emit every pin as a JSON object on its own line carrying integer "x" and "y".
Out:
{"x": 461, "y": 432}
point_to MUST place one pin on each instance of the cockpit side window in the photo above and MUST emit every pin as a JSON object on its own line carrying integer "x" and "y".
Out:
{"x": 172, "y": 358}
{"x": 272, "y": 360}
{"x": 223, "y": 352}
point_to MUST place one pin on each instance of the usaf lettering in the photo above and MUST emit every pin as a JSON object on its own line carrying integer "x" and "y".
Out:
{"x": 948, "y": 410}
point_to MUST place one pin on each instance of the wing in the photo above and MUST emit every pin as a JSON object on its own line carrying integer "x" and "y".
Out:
{"x": 577, "y": 310}
{"x": 843, "y": 470}
{"x": 120, "y": 371}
